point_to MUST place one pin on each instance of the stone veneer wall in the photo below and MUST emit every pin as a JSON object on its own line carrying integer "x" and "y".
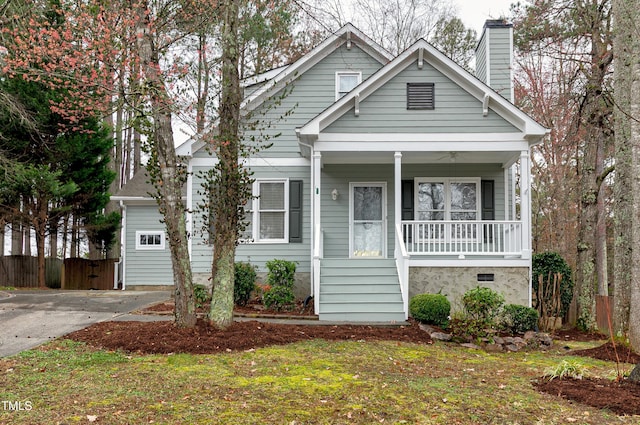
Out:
{"x": 453, "y": 282}
{"x": 301, "y": 289}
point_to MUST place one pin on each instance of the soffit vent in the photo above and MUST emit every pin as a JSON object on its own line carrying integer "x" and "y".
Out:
{"x": 420, "y": 96}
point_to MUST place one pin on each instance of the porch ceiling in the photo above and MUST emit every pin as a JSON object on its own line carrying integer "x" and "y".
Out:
{"x": 436, "y": 157}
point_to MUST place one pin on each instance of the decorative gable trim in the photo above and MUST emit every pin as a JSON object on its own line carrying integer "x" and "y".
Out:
{"x": 531, "y": 130}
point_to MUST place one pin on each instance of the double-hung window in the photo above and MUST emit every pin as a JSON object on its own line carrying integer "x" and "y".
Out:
{"x": 447, "y": 199}
{"x": 271, "y": 210}
{"x": 346, "y": 81}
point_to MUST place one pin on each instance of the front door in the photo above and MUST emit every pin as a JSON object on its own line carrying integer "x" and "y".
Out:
{"x": 368, "y": 220}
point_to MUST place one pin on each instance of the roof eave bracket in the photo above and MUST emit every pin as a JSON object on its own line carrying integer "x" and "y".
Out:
{"x": 485, "y": 105}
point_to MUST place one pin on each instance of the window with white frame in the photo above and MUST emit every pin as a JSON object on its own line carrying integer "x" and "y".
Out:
{"x": 270, "y": 212}
{"x": 346, "y": 81}
{"x": 150, "y": 240}
{"x": 447, "y": 199}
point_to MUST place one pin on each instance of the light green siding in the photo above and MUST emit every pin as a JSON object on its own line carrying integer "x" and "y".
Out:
{"x": 385, "y": 111}
{"x": 146, "y": 267}
{"x": 256, "y": 253}
{"x": 310, "y": 93}
{"x": 500, "y": 61}
{"x": 335, "y": 214}
{"x": 481, "y": 59}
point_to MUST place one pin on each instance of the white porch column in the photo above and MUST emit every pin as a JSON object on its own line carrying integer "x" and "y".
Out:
{"x": 397, "y": 189}
{"x": 316, "y": 230}
{"x": 525, "y": 206}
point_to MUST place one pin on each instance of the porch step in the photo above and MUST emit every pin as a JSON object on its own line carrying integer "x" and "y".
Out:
{"x": 360, "y": 290}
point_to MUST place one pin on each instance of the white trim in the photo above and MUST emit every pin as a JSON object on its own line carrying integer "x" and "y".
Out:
{"x": 150, "y": 247}
{"x": 315, "y": 219}
{"x": 500, "y": 141}
{"x": 390, "y": 146}
{"x": 487, "y": 262}
{"x": 447, "y": 193}
{"x": 339, "y": 74}
{"x": 255, "y": 162}
{"x": 530, "y": 128}
{"x": 189, "y": 213}
{"x": 487, "y": 53}
{"x": 507, "y": 195}
{"x": 123, "y": 244}
{"x": 384, "y": 235}
{"x": 256, "y": 211}
{"x": 262, "y": 77}
{"x": 511, "y": 73}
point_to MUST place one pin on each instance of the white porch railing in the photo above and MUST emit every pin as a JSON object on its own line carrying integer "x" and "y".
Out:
{"x": 402, "y": 265}
{"x": 463, "y": 237}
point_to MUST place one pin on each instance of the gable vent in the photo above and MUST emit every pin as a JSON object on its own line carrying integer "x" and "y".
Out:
{"x": 420, "y": 96}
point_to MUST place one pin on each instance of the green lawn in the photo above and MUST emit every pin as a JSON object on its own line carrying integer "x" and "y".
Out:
{"x": 315, "y": 382}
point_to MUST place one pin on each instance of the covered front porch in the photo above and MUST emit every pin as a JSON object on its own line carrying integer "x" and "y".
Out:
{"x": 401, "y": 209}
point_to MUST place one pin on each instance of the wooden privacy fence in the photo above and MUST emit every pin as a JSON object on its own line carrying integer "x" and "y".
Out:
{"x": 21, "y": 271}
{"x": 604, "y": 310}
{"x": 79, "y": 273}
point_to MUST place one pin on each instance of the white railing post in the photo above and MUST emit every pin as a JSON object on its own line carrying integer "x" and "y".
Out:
{"x": 317, "y": 232}
{"x": 402, "y": 265}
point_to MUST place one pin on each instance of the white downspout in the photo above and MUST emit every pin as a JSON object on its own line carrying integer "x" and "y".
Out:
{"x": 123, "y": 244}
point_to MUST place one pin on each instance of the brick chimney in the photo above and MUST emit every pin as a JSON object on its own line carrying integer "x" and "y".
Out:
{"x": 494, "y": 57}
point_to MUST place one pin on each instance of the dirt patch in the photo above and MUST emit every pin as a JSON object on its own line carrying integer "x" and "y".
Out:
{"x": 622, "y": 398}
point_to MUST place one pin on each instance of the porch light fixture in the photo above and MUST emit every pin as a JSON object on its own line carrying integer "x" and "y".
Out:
{"x": 335, "y": 194}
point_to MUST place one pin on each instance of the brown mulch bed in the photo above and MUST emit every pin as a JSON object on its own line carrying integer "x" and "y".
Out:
{"x": 622, "y": 398}
{"x": 607, "y": 352}
{"x": 252, "y": 308}
{"x": 163, "y": 337}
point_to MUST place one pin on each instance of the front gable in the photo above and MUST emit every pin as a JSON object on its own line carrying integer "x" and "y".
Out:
{"x": 454, "y": 108}
{"x": 466, "y": 109}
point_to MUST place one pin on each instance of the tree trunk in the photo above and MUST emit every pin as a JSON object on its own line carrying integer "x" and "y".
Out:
{"x": 164, "y": 169}
{"x": 601, "y": 226}
{"x": 26, "y": 240}
{"x": 3, "y": 231}
{"x": 634, "y": 288}
{"x": 228, "y": 188}
{"x": 626, "y": 157}
{"x": 586, "y": 271}
{"x": 40, "y": 227}
{"x": 53, "y": 238}
{"x": 16, "y": 237}
{"x": 594, "y": 117}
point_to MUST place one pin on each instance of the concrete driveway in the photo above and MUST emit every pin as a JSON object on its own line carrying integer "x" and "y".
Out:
{"x": 30, "y": 318}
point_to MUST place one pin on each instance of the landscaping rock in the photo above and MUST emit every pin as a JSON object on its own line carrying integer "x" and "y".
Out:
{"x": 471, "y": 345}
{"x": 440, "y": 336}
{"x": 635, "y": 374}
{"x": 512, "y": 347}
{"x": 493, "y": 348}
{"x": 434, "y": 333}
